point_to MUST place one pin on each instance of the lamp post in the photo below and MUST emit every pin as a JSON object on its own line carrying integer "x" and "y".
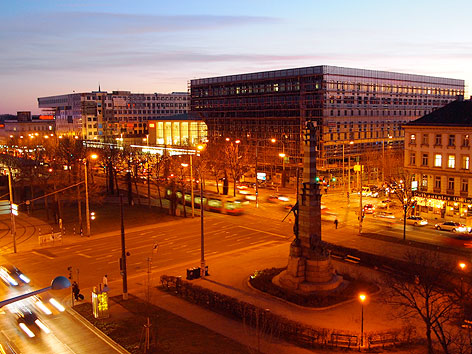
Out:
{"x": 362, "y": 298}
{"x": 202, "y": 233}
{"x": 191, "y": 186}
{"x": 87, "y": 210}
{"x": 282, "y": 155}
{"x": 257, "y": 182}
{"x": 383, "y": 158}
{"x": 58, "y": 283}
{"x": 12, "y": 215}
{"x": 462, "y": 266}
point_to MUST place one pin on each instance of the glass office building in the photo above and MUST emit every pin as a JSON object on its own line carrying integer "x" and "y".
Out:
{"x": 362, "y": 110}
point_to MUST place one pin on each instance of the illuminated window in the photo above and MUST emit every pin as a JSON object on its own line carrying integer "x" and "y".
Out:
{"x": 465, "y": 141}
{"x": 424, "y": 181}
{"x": 412, "y": 139}
{"x": 437, "y": 160}
{"x": 465, "y": 162}
{"x": 451, "y": 161}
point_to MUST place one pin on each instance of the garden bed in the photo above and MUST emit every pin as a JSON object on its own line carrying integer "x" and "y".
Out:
{"x": 262, "y": 280}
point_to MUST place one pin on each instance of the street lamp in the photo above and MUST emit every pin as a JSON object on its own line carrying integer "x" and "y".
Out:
{"x": 462, "y": 266}
{"x": 383, "y": 157}
{"x": 12, "y": 214}
{"x": 362, "y": 298}
{"x": 200, "y": 148}
{"x": 282, "y": 155}
{"x": 87, "y": 210}
{"x": 58, "y": 283}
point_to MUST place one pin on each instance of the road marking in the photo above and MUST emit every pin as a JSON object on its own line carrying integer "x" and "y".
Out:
{"x": 40, "y": 254}
{"x": 84, "y": 255}
{"x": 265, "y": 232}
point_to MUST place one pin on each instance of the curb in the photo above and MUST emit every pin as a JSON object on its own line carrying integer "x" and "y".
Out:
{"x": 118, "y": 348}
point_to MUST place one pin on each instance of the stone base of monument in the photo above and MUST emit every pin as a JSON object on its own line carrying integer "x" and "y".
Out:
{"x": 309, "y": 275}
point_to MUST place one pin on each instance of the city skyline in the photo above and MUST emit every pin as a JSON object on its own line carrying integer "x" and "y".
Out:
{"x": 57, "y": 47}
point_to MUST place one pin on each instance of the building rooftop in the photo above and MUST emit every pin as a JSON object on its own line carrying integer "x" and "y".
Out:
{"x": 457, "y": 113}
{"x": 331, "y": 70}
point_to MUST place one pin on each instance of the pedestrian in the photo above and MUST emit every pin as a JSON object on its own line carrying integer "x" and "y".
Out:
{"x": 75, "y": 290}
{"x": 336, "y": 222}
{"x": 105, "y": 282}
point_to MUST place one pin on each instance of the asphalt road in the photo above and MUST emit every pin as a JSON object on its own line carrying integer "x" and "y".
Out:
{"x": 179, "y": 247}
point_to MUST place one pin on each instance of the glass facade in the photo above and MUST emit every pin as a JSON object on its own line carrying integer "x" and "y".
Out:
{"x": 364, "y": 106}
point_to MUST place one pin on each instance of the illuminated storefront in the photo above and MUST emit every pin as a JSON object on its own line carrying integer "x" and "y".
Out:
{"x": 434, "y": 206}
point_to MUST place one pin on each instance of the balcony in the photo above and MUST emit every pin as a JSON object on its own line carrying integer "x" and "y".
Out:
{"x": 464, "y": 194}
{"x": 436, "y": 190}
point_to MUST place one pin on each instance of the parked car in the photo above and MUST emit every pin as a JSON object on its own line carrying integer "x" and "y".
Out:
{"x": 416, "y": 221}
{"x": 451, "y": 226}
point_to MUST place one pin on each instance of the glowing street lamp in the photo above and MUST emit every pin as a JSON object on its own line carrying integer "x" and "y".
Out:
{"x": 362, "y": 298}
{"x": 462, "y": 266}
{"x": 87, "y": 209}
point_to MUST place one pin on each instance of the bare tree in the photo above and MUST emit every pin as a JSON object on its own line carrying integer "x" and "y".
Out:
{"x": 403, "y": 191}
{"x": 236, "y": 157}
{"x": 214, "y": 156}
{"x": 428, "y": 291}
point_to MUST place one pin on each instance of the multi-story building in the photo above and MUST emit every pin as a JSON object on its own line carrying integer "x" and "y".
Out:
{"x": 183, "y": 130}
{"x": 26, "y": 127}
{"x": 103, "y": 116}
{"x": 437, "y": 157}
{"x": 365, "y": 107}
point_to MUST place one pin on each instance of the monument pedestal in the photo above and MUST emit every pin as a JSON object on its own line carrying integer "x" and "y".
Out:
{"x": 313, "y": 274}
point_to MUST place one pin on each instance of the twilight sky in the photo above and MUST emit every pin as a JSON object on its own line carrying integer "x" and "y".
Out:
{"x": 51, "y": 47}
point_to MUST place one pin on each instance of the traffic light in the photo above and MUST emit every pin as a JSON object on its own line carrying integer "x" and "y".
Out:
{"x": 317, "y": 179}
{"x": 333, "y": 179}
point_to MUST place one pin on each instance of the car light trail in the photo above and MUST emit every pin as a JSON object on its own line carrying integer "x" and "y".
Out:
{"x": 25, "y": 278}
{"x": 42, "y": 326}
{"x": 43, "y": 307}
{"x": 25, "y": 329}
{"x": 56, "y": 304}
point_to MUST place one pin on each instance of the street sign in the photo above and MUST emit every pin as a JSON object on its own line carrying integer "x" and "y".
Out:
{"x": 14, "y": 209}
{"x": 4, "y": 207}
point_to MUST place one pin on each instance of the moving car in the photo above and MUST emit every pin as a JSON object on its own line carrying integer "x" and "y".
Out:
{"x": 11, "y": 275}
{"x": 369, "y": 209}
{"x": 384, "y": 214}
{"x": 416, "y": 221}
{"x": 384, "y": 204}
{"x": 451, "y": 226}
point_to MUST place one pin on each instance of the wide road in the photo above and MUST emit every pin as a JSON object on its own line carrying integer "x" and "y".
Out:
{"x": 179, "y": 248}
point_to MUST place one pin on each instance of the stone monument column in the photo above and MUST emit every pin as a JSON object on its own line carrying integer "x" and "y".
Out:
{"x": 309, "y": 266}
